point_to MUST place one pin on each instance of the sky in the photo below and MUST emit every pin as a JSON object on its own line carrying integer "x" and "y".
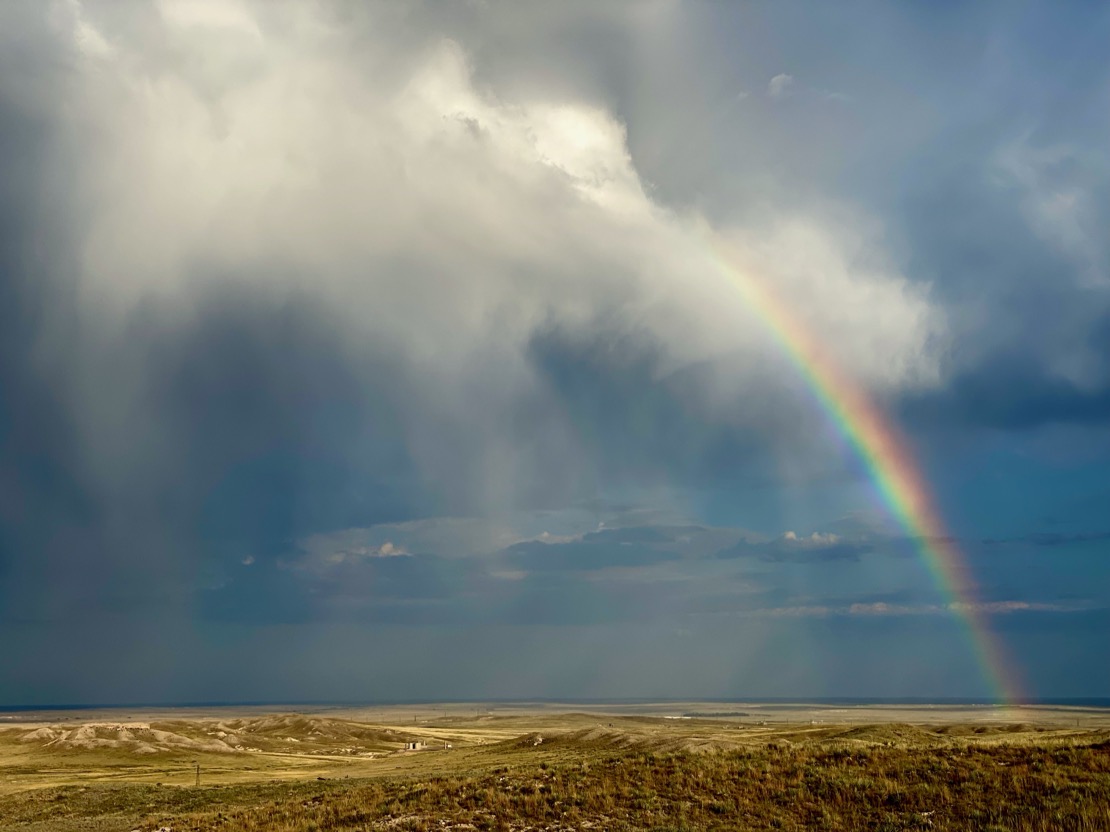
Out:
{"x": 414, "y": 351}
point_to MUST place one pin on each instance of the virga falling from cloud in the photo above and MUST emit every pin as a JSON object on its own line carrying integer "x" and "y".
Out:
{"x": 266, "y": 146}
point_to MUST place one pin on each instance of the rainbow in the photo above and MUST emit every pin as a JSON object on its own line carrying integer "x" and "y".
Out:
{"x": 889, "y": 462}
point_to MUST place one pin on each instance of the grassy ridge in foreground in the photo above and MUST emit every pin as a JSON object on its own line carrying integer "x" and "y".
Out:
{"x": 1014, "y": 787}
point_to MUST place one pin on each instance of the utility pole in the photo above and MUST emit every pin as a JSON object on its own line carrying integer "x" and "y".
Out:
{"x": 197, "y": 764}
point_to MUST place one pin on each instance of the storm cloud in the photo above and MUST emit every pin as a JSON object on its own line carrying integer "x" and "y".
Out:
{"x": 380, "y": 324}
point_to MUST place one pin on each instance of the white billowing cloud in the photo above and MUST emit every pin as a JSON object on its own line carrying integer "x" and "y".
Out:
{"x": 324, "y": 551}
{"x": 270, "y": 145}
{"x": 209, "y": 14}
{"x": 1056, "y": 194}
{"x": 816, "y": 540}
{"x": 839, "y": 285}
{"x": 780, "y": 85}
{"x": 1057, "y": 204}
{"x": 69, "y": 17}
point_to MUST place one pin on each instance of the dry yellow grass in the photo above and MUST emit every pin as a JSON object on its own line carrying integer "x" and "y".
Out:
{"x": 546, "y": 770}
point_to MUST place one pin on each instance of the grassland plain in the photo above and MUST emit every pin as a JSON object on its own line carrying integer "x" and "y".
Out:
{"x": 534, "y": 768}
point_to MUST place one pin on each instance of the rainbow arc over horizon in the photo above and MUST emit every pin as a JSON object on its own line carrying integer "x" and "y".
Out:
{"x": 890, "y": 464}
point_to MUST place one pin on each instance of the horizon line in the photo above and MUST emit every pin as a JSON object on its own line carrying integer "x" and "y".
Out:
{"x": 1073, "y": 701}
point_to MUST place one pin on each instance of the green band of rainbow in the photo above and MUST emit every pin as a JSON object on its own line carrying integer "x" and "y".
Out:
{"x": 888, "y": 460}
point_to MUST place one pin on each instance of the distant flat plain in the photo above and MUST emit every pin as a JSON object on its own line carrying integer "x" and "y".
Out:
{"x": 135, "y": 767}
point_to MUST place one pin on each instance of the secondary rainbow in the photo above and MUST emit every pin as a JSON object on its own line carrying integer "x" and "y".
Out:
{"x": 889, "y": 461}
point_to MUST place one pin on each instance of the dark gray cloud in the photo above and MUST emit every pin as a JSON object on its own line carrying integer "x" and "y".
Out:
{"x": 800, "y": 549}
{"x": 640, "y": 422}
{"x": 1009, "y": 392}
{"x": 585, "y": 555}
{"x": 1054, "y": 539}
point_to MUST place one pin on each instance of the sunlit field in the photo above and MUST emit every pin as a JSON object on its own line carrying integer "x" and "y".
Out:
{"x": 518, "y": 767}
